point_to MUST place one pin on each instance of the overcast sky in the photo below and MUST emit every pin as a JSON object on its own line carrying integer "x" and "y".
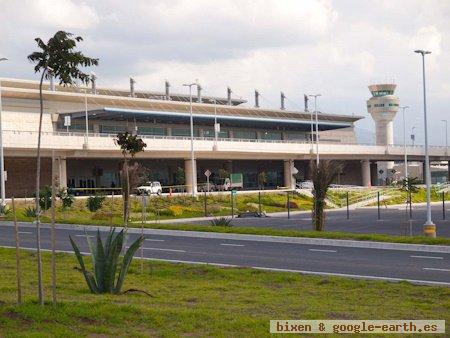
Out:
{"x": 335, "y": 48}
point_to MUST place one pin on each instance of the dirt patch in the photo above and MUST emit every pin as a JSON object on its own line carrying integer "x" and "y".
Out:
{"x": 86, "y": 320}
{"x": 340, "y": 315}
{"x": 17, "y": 317}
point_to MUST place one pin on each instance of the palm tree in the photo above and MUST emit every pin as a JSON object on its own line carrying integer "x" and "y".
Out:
{"x": 322, "y": 175}
{"x": 130, "y": 146}
{"x": 57, "y": 58}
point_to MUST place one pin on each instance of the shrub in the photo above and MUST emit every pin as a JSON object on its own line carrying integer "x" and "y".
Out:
{"x": 45, "y": 198}
{"x": 66, "y": 198}
{"x": 4, "y": 210}
{"x": 106, "y": 261}
{"x": 292, "y": 205}
{"x": 166, "y": 212}
{"x": 177, "y": 210}
{"x": 221, "y": 222}
{"x": 30, "y": 212}
{"x": 94, "y": 203}
{"x": 252, "y": 207}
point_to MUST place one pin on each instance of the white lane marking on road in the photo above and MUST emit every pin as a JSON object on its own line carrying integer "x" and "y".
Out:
{"x": 25, "y": 232}
{"x": 322, "y": 250}
{"x": 154, "y": 240}
{"x": 415, "y": 281}
{"x": 437, "y": 269}
{"x": 84, "y": 236}
{"x": 231, "y": 244}
{"x": 429, "y": 257}
{"x": 161, "y": 249}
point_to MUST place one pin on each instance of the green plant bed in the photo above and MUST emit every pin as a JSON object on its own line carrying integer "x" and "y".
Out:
{"x": 199, "y": 300}
{"x": 160, "y": 207}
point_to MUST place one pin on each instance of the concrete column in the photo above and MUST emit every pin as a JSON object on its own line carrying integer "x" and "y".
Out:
{"x": 60, "y": 167}
{"x": 190, "y": 176}
{"x": 289, "y": 180}
{"x": 365, "y": 173}
{"x": 169, "y": 131}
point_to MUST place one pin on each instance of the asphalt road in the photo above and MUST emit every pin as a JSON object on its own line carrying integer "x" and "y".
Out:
{"x": 415, "y": 266}
{"x": 393, "y": 221}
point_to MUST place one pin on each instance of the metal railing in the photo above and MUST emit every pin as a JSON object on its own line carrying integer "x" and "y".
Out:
{"x": 211, "y": 139}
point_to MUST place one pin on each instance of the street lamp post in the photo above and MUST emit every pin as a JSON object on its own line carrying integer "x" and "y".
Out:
{"x": 317, "y": 126}
{"x": 429, "y": 226}
{"x": 404, "y": 140}
{"x": 446, "y": 136}
{"x": 193, "y": 186}
{"x": 2, "y": 157}
{"x": 216, "y": 127}
{"x": 413, "y": 136}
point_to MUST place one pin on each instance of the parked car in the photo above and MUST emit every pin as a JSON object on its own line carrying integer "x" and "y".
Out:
{"x": 235, "y": 181}
{"x": 305, "y": 185}
{"x": 150, "y": 188}
{"x": 202, "y": 187}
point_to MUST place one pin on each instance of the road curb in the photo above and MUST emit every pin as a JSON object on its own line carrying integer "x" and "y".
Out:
{"x": 274, "y": 239}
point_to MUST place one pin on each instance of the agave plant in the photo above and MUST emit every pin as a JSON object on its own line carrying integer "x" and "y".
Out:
{"x": 105, "y": 261}
{"x": 221, "y": 222}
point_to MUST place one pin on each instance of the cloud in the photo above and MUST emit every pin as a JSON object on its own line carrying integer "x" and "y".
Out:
{"x": 336, "y": 48}
{"x": 63, "y": 13}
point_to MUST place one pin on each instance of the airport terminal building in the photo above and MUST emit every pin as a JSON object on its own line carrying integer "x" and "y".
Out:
{"x": 80, "y": 124}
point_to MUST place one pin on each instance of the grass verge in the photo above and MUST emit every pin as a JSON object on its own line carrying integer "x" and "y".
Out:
{"x": 301, "y": 233}
{"x": 198, "y": 300}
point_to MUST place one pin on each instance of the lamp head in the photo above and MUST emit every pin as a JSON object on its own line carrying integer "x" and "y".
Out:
{"x": 3, "y": 59}
{"x": 421, "y": 51}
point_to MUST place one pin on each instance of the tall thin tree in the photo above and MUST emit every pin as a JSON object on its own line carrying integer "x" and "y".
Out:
{"x": 60, "y": 59}
{"x": 322, "y": 175}
{"x": 130, "y": 145}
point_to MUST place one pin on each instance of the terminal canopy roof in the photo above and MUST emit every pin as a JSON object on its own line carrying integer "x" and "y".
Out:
{"x": 201, "y": 118}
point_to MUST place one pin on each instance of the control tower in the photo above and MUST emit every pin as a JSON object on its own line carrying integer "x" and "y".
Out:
{"x": 383, "y": 105}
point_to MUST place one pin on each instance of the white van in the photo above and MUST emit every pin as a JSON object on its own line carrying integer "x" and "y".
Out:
{"x": 150, "y": 188}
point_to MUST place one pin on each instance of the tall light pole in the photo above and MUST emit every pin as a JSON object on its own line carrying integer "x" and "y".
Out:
{"x": 446, "y": 135}
{"x": 413, "y": 136}
{"x": 216, "y": 126}
{"x": 404, "y": 140}
{"x": 317, "y": 126}
{"x": 193, "y": 178}
{"x": 2, "y": 157}
{"x": 429, "y": 226}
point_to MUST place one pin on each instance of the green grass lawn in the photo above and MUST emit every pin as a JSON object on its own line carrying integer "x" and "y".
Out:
{"x": 198, "y": 300}
{"x": 417, "y": 197}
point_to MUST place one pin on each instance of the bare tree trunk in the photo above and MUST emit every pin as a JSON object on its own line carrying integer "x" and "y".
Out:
{"x": 53, "y": 231}
{"x": 38, "y": 209}
{"x": 18, "y": 267}
{"x": 126, "y": 193}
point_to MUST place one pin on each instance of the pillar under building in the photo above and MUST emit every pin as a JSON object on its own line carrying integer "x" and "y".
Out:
{"x": 383, "y": 106}
{"x": 365, "y": 173}
{"x": 60, "y": 170}
{"x": 190, "y": 176}
{"x": 289, "y": 172}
